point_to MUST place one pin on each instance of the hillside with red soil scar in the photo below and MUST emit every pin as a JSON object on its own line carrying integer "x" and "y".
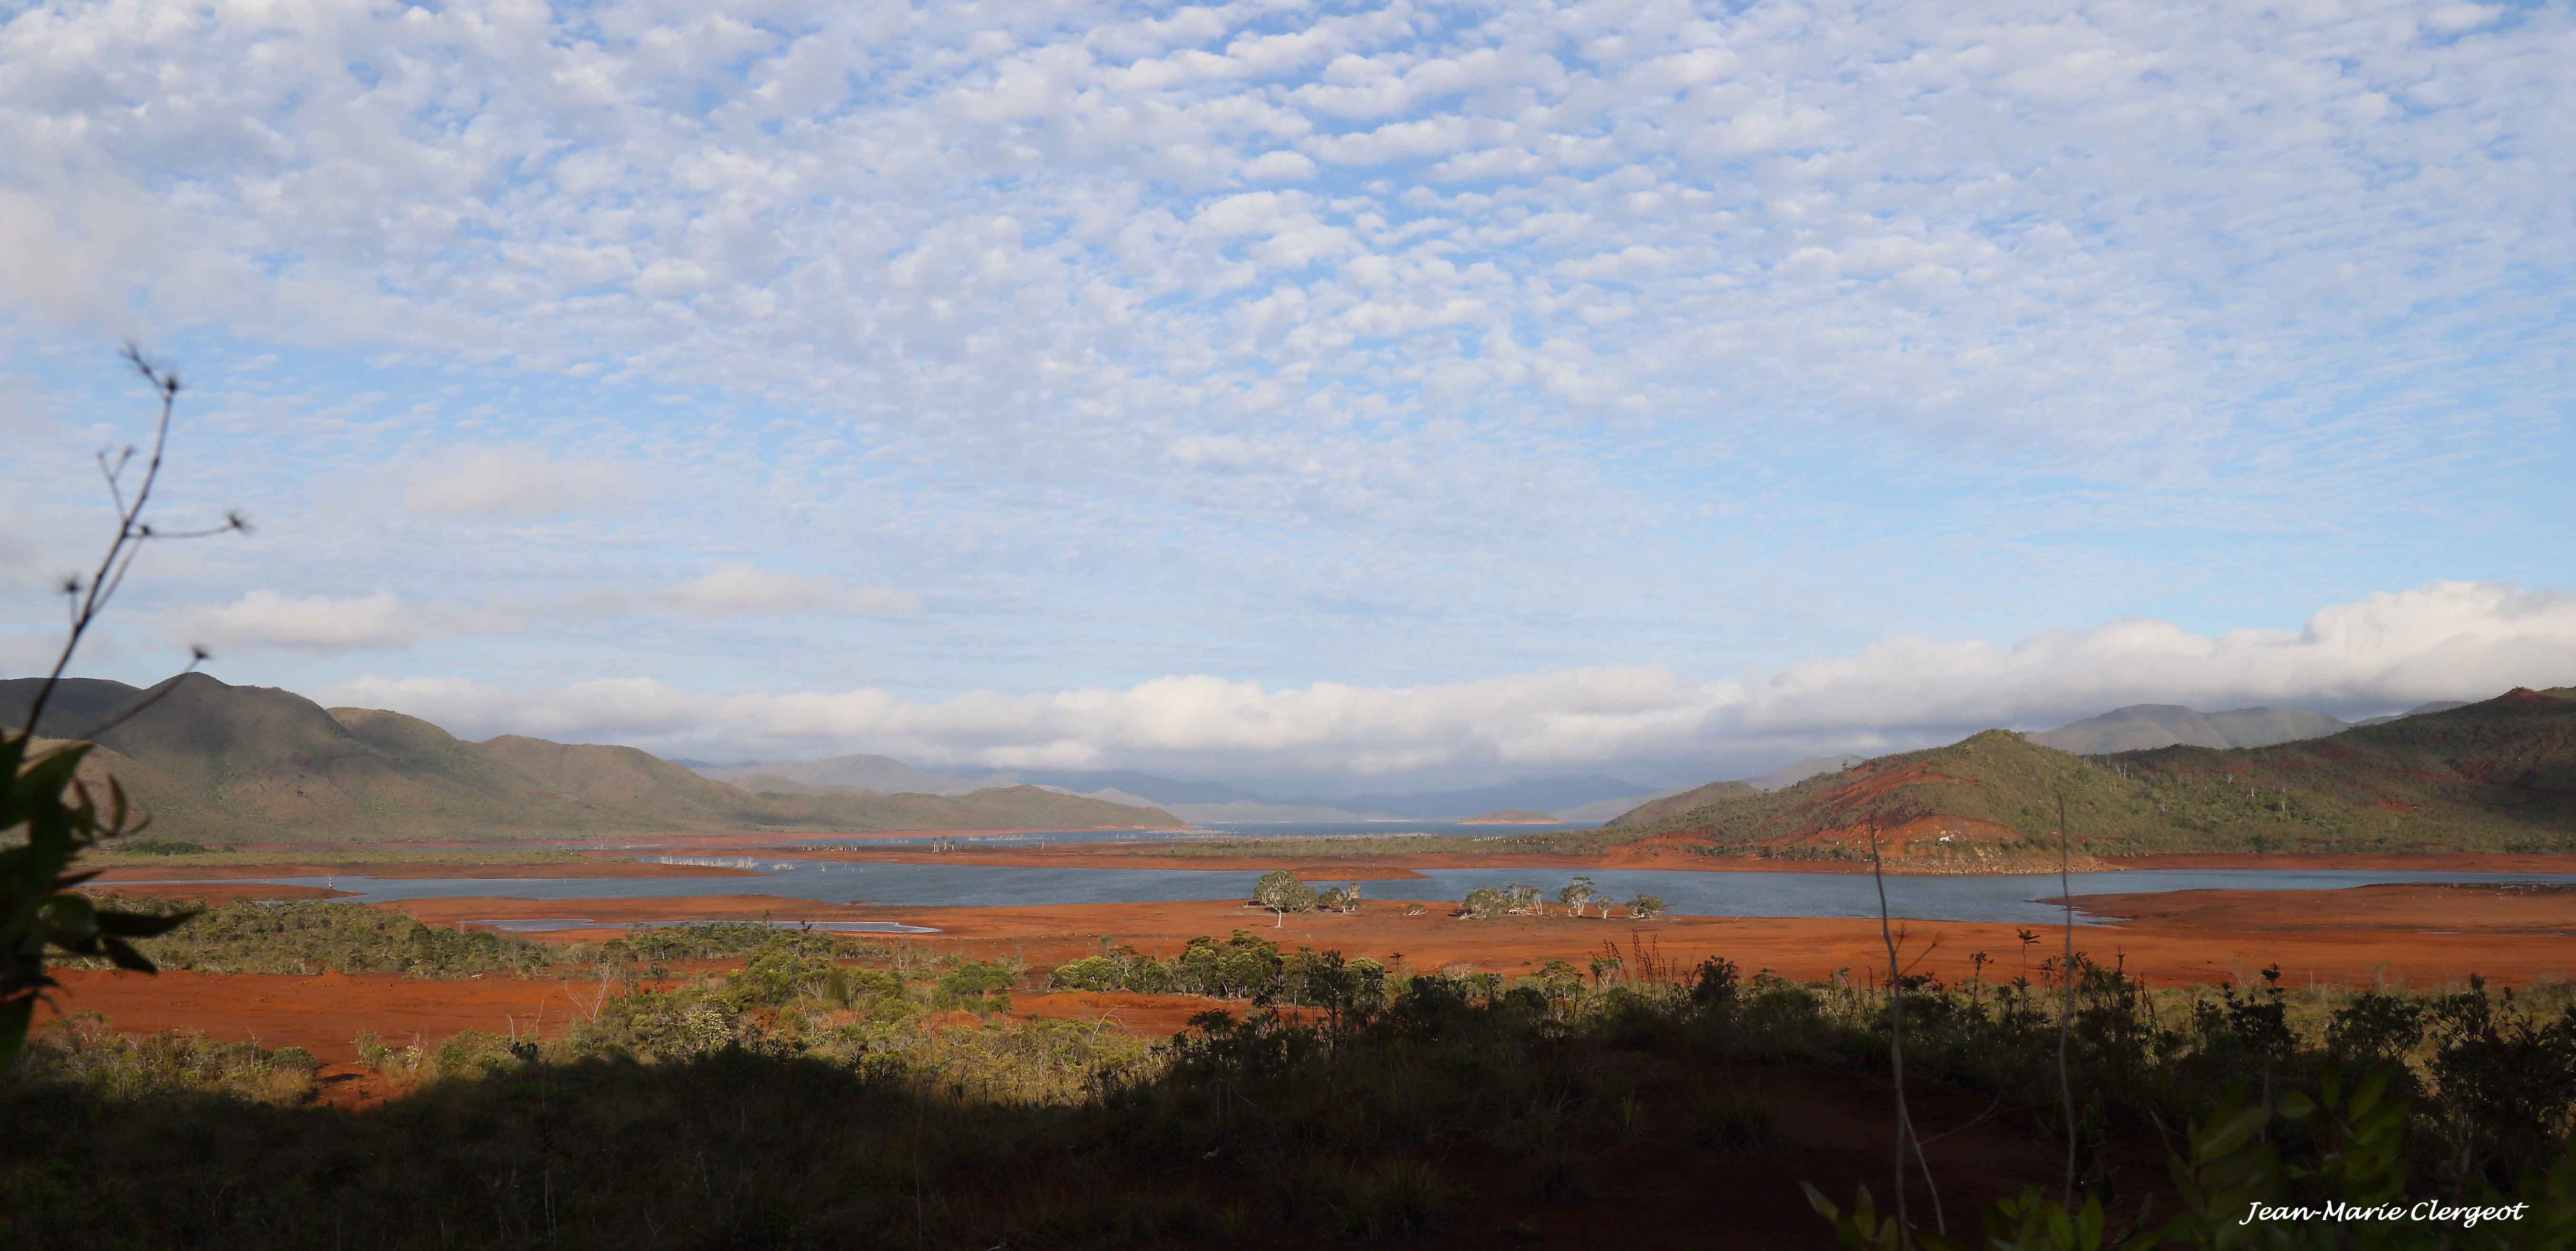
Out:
{"x": 2498, "y": 776}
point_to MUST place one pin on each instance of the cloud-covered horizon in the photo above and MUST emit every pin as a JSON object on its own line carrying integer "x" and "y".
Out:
{"x": 2451, "y": 640}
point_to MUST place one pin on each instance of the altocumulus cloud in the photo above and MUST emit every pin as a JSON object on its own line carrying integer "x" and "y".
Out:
{"x": 1467, "y": 308}
{"x": 738, "y": 590}
{"x": 2442, "y": 640}
{"x": 512, "y": 482}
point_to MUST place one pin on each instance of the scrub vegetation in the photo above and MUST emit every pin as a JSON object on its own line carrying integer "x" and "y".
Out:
{"x": 827, "y": 1092}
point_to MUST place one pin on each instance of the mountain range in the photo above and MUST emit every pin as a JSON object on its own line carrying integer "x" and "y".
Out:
{"x": 1573, "y": 798}
{"x": 2141, "y": 727}
{"x": 2493, "y": 776}
{"x": 861, "y": 774}
{"x": 258, "y": 764}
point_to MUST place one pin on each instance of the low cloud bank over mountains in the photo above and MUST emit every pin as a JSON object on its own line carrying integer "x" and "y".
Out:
{"x": 2444, "y": 640}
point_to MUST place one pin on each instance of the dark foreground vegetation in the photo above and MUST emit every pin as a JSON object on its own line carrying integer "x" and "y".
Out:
{"x": 827, "y": 1093}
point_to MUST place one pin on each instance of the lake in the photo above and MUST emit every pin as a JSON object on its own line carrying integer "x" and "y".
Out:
{"x": 2004, "y": 898}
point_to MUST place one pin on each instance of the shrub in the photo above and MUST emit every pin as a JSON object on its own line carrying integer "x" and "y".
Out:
{"x": 315, "y": 936}
{"x": 162, "y": 847}
{"x": 1484, "y": 904}
{"x": 976, "y": 987}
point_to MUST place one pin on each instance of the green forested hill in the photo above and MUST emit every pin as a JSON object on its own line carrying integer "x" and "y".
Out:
{"x": 2493, "y": 776}
{"x": 256, "y": 764}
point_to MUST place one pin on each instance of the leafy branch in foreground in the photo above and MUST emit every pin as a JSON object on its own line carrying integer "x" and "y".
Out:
{"x": 41, "y": 910}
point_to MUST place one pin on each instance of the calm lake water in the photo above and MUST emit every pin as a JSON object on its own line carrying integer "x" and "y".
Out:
{"x": 2003, "y": 898}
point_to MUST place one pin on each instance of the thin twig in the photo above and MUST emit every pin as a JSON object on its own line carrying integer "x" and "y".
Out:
{"x": 1970, "y": 1123}
{"x": 2066, "y": 998}
{"x": 1905, "y": 1134}
{"x": 86, "y": 600}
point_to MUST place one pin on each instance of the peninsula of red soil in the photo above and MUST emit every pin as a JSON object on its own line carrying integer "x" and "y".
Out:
{"x": 2501, "y": 908}
{"x": 219, "y": 893}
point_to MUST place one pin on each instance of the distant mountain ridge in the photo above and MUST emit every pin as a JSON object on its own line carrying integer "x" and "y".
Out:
{"x": 1537, "y": 794}
{"x": 882, "y": 775}
{"x": 240, "y": 763}
{"x": 2142, "y": 727}
{"x": 1797, "y": 771}
{"x": 1675, "y": 803}
{"x": 1688, "y": 801}
{"x": 2145, "y": 727}
{"x": 2439, "y": 705}
{"x": 1161, "y": 790}
{"x": 2499, "y": 775}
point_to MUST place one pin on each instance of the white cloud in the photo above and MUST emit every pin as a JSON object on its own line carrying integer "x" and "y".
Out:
{"x": 319, "y": 623}
{"x": 2444, "y": 640}
{"x": 1279, "y": 166}
{"x": 739, "y": 590}
{"x": 512, "y": 482}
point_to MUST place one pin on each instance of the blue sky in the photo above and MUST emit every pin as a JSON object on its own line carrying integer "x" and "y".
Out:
{"x": 1310, "y": 392}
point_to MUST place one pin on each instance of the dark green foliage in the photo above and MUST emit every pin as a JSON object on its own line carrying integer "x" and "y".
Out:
{"x": 2506, "y": 1078}
{"x": 1242, "y": 967}
{"x": 712, "y": 940}
{"x": 773, "y": 978}
{"x": 976, "y": 987}
{"x": 802, "y": 1102}
{"x": 82, "y": 1051}
{"x": 2340, "y": 1140}
{"x": 315, "y": 936}
{"x": 2375, "y": 1029}
{"x": 43, "y": 914}
{"x": 845, "y": 1137}
{"x": 163, "y": 847}
{"x": 2251, "y": 1029}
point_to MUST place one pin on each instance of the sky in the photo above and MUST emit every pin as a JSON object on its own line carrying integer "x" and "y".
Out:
{"x": 1337, "y": 395}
